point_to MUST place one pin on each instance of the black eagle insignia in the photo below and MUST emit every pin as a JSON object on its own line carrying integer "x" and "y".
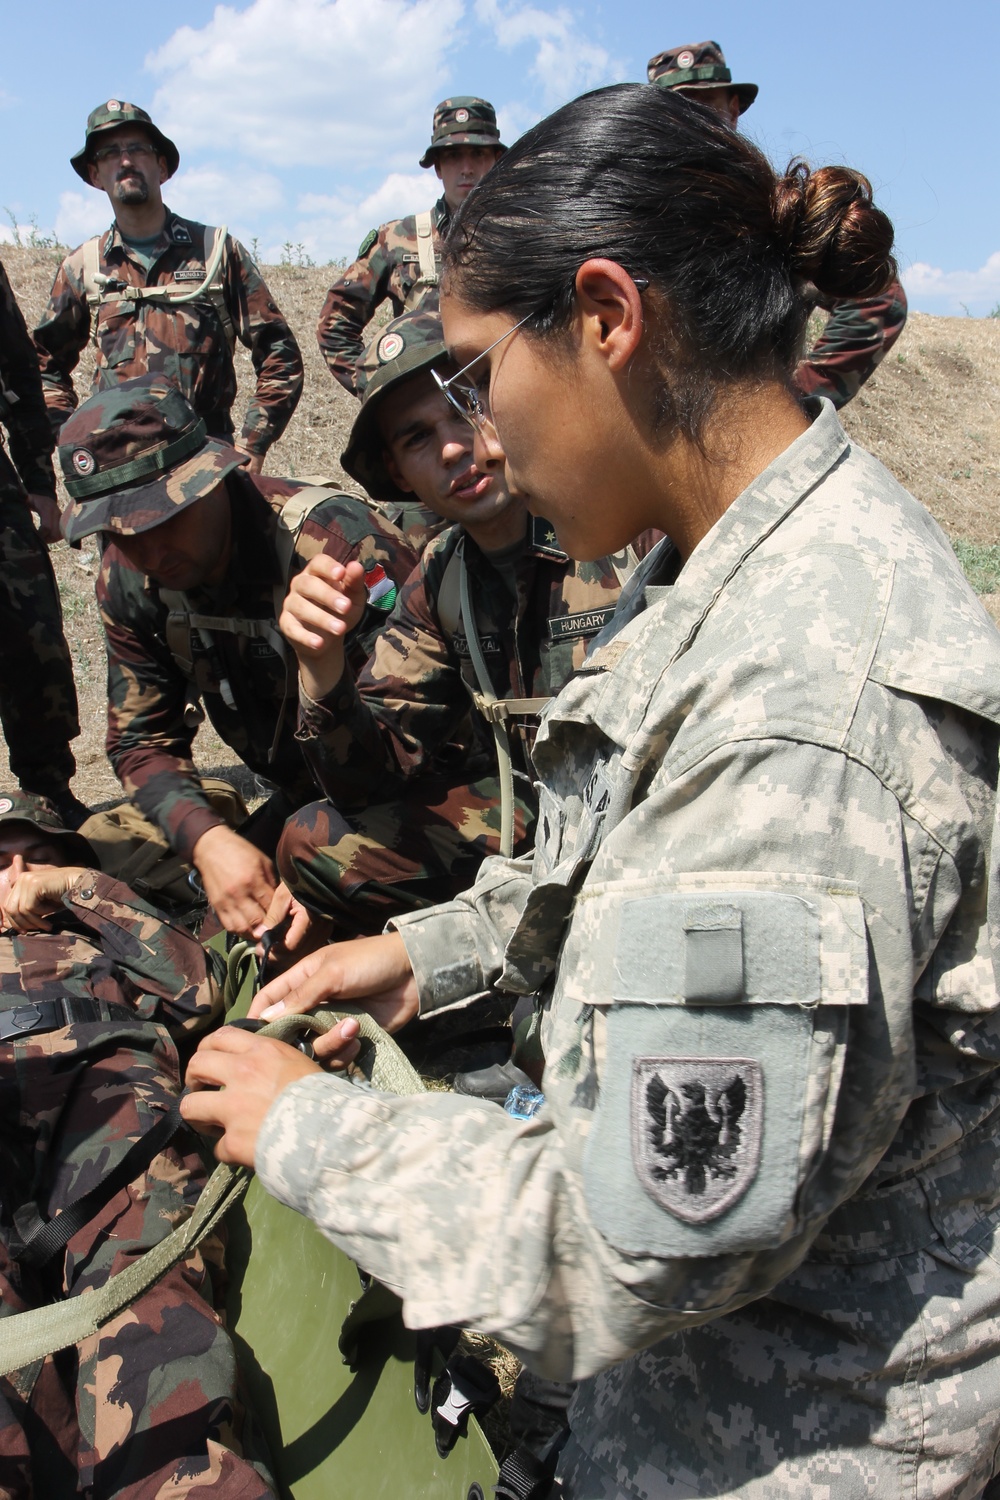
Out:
{"x": 694, "y": 1134}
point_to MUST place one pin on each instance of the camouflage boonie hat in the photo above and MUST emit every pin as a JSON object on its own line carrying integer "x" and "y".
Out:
{"x": 109, "y": 116}
{"x": 463, "y": 121}
{"x": 405, "y": 346}
{"x": 698, "y": 65}
{"x": 39, "y": 813}
{"x": 133, "y": 456}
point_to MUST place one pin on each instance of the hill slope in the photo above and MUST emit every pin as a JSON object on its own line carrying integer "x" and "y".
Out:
{"x": 931, "y": 413}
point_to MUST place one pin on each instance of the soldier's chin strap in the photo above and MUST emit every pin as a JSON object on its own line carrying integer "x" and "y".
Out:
{"x": 29, "y": 1336}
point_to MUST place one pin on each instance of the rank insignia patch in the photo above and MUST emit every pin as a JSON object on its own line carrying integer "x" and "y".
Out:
{"x": 696, "y": 1131}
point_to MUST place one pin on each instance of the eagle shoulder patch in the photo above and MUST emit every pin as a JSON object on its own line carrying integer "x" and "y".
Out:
{"x": 697, "y": 1124}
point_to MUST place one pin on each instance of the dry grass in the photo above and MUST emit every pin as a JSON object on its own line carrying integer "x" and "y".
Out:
{"x": 931, "y": 413}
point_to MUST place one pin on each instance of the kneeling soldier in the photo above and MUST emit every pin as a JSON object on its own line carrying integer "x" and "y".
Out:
{"x": 196, "y": 566}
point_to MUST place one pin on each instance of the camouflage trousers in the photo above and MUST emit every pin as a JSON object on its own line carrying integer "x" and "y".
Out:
{"x": 147, "y": 1407}
{"x": 426, "y": 847}
{"x": 37, "y": 696}
{"x": 854, "y": 1381}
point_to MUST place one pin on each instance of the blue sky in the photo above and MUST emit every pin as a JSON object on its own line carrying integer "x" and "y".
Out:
{"x": 302, "y": 120}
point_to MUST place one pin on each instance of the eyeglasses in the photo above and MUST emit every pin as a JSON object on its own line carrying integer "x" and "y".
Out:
{"x": 465, "y": 397}
{"x": 134, "y": 149}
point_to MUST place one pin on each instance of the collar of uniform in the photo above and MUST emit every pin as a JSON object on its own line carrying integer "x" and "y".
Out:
{"x": 543, "y": 540}
{"x": 175, "y": 231}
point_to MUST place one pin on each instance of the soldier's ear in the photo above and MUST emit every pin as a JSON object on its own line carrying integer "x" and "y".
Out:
{"x": 437, "y": 168}
{"x": 164, "y": 168}
{"x": 93, "y": 174}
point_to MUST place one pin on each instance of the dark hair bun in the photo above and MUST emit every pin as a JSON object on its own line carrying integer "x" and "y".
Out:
{"x": 836, "y": 237}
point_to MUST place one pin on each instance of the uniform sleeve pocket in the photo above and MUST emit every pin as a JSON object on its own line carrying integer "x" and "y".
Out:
{"x": 725, "y": 1035}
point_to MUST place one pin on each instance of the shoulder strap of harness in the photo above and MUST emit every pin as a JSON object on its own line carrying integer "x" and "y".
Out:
{"x": 425, "y": 249}
{"x": 495, "y": 710}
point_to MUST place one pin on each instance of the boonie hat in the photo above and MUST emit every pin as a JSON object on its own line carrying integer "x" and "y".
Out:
{"x": 463, "y": 121}
{"x": 407, "y": 345}
{"x": 133, "y": 456}
{"x": 109, "y": 116}
{"x": 697, "y": 65}
{"x": 39, "y": 813}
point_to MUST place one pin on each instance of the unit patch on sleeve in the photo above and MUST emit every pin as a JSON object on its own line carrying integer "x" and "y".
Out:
{"x": 696, "y": 1131}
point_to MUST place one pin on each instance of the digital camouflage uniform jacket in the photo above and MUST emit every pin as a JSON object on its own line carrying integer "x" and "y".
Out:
{"x": 858, "y": 335}
{"x": 411, "y": 704}
{"x": 755, "y": 1212}
{"x": 387, "y": 265}
{"x": 148, "y": 742}
{"x": 185, "y": 343}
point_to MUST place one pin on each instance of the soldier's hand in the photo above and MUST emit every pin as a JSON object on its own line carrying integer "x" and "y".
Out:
{"x": 28, "y": 897}
{"x": 239, "y": 880}
{"x": 255, "y": 463}
{"x": 324, "y": 603}
{"x": 236, "y": 1077}
{"x": 49, "y": 518}
{"x": 374, "y": 972}
{"x": 305, "y": 930}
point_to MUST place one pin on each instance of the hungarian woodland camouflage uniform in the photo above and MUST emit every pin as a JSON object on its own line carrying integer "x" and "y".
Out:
{"x": 38, "y": 707}
{"x": 387, "y": 266}
{"x": 145, "y": 1408}
{"x": 408, "y": 727}
{"x": 388, "y": 263}
{"x": 755, "y": 1215}
{"x": 187, "y": 343}
{"x": 148, "y": 743}
{"x": 234, "y": 657}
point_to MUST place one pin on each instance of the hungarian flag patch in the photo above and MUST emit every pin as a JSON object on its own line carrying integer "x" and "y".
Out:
{"x": 381, "y": 589}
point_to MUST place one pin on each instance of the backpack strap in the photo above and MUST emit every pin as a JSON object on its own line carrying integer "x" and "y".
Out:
{"x": 93, "y": 288}
{"x": 428, "y": 260}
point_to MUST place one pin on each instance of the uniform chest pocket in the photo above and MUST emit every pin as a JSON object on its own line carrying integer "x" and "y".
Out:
{"x": 725, "y": 1033}
{"x": 116, "y": 335}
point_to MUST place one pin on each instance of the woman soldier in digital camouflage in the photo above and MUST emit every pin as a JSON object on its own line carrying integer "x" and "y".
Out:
{"x": 755, "y": 1215}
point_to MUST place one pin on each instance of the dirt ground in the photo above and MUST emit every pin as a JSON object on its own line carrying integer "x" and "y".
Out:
{"x": 931, "y": 413}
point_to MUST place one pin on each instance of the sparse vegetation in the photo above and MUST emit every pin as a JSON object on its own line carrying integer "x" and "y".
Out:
{"x": 32, "y": 238}
{"x": 981, "y": 562}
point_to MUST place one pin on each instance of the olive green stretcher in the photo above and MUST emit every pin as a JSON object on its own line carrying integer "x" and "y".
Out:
{"x": 335, "y": 1432}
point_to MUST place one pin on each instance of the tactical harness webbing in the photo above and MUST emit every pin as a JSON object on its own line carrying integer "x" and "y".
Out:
{"x": 496, "y": 711}
{"x": 184, "y": 622}
{"x": 428, "y": 260}
{"x": 29, "y": 1336}
{"x": 210, "y": 289}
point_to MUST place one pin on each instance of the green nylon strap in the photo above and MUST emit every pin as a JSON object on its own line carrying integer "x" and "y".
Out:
{"x": 490, "y": 704}
{"x": 29, "y": 1336}
{"x": 86, "y": 486}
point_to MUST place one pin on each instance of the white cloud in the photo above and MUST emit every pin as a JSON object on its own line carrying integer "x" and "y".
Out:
{"x": 974, "y": 289}
{"x": 566, "y": 63}
{"x": 330, "y": 226}
{"x": 82, "y": 214}
{"x": 238, "y": 197}
{"x": 307, "y": 82}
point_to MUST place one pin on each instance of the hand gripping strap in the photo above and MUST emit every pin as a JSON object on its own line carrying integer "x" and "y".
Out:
{"x": 29, "y": 1336}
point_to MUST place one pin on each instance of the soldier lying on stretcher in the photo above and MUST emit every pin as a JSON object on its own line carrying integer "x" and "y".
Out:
{"x": 96, "y": 991}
